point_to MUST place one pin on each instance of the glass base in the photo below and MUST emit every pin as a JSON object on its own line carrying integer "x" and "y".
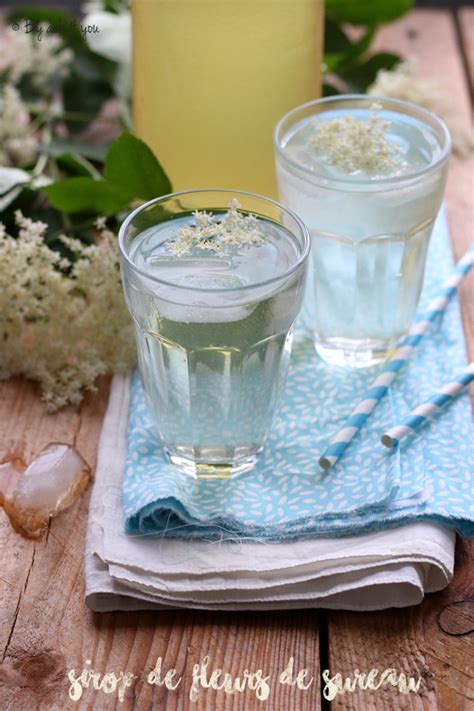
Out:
{"x": 212, "y": 470}
{"x": 352, "y": 353}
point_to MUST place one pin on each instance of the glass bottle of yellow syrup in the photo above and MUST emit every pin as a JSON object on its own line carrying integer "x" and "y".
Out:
{"x": 212, "y": 77}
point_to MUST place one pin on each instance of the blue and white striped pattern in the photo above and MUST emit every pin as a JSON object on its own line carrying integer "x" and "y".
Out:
{"x": 417, "y": 417}
{"x": 403, "y": 353}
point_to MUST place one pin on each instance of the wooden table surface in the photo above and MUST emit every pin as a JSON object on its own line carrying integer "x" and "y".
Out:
{"x": 46, "y": 629}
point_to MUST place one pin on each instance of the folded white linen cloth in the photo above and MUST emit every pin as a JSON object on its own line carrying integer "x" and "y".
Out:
{"x": 392, "y": 568}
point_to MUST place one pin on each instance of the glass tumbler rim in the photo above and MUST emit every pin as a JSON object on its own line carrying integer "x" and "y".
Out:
{"x": 381, "y": 182}
{"x": 306, "y": 241}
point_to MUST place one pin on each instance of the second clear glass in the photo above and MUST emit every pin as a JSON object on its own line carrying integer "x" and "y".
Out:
{"x": 369, "y": 236}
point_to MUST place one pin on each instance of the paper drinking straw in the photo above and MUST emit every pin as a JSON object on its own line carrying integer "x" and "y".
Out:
{"x": 417, "y": 417}
{"x": 404, "y": 351}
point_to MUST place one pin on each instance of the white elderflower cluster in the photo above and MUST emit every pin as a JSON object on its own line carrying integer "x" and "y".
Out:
{"x": 61, "y": 330}
{"x": 355, "y": 145}
{"x": 18, "y": 145}
{"x": 233, "y": 230}
{"x": 403, "y": 82}
{"x": 23, "y": 54}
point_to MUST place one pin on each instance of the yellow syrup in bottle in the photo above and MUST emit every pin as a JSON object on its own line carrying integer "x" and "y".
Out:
{"x": 211, "y": 78}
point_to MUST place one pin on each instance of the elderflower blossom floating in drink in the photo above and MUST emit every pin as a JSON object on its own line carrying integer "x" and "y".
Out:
{"x": 232, "y": 231}
{"x": 357, "y": 146}
{"x": 214, "y": 285}
{"x": 367, "y": 176}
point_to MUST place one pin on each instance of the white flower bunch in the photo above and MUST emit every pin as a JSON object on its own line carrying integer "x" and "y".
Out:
{"x": 403, "y": 82}
{"x": 355, "y": 145}
{"x": 23, "y": 54}
{"x": 234, "y": 230}
{"x": 18, "y": 144}
{"x": 61, "y": 330}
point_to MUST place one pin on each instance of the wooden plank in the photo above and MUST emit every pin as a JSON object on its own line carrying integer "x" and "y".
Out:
{"x": 422, "y": 640}
{"x": 46, "y": 630}
{"x": 411, "y": 641}
{"x": 428, "y": 37}
{"x": 42, "y": 581}
{"x": 466, "y": 20}
{"x": 23, "y": 423}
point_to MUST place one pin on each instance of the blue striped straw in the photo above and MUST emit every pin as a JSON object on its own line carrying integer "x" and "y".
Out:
{"x": 392, "y": 367}
{"x": 417, "y": 417}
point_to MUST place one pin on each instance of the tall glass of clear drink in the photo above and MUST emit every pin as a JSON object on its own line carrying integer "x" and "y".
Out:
{"x": 214, "y": 281}
{"x": 370, "y": 226}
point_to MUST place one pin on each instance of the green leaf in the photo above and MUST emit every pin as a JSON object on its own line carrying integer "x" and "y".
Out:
{"x": 367, "y": 12}
{"x": 131, "y": 166}
{"x": 87, "y": 195}
{"x": 363, "y": 75}
{"x": 62, "y": 24}
{"x": 330, "y": 90}
{"x": 331, "y": 63}
{"x": 358, "y": 48}
{"x": 115, "y": 6}
{"x": 75, "y": 165}
{"x": 340, "y": 52}
{"x": 335, "y": 39}
{"x": 365, "y": 41}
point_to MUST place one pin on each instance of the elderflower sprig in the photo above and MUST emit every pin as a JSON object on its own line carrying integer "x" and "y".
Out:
{"x": 38, "y": 55}
{"x": 234, "y": 230}
{"x": 355, "y": 145}
{"x": 404, "y": 82}
{"x": 18, "y": 144}
{"x": 63, "y": 321}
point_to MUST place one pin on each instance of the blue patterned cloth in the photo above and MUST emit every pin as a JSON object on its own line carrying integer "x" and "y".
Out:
{"x": 430, "y": 477}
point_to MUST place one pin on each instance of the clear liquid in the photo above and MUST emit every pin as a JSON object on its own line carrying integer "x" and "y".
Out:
{"x": 213, "y": 363}
{"x": 369, "y": 238}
